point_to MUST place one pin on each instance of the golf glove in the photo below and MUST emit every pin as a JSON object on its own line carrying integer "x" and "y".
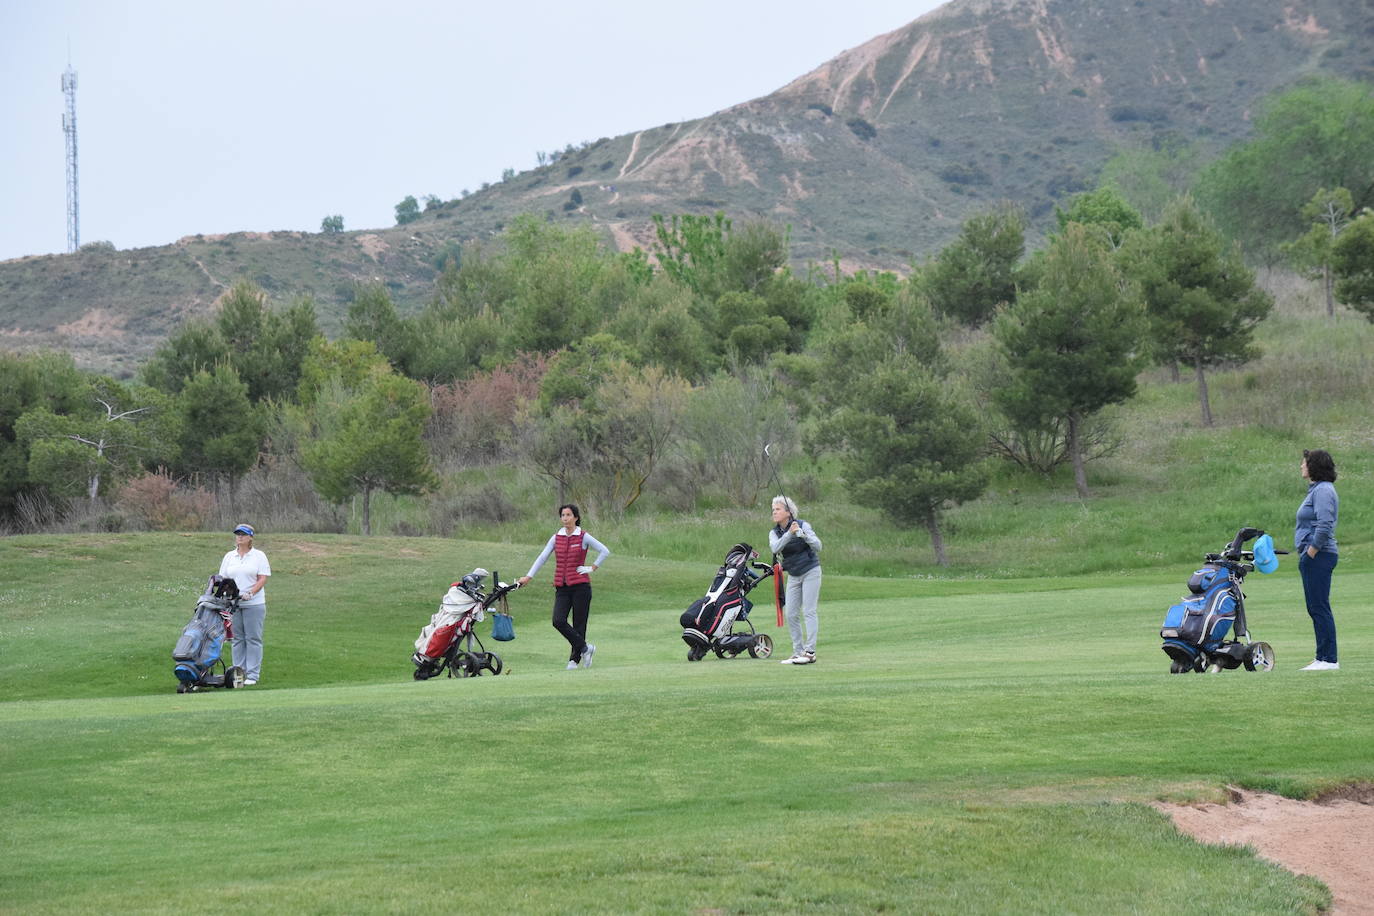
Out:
{"x": 585, "y": 570}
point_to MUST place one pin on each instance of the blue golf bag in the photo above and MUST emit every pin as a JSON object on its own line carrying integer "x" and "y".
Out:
{"x": 1200, "y": 621}
{"x": 197, "y": 652}
{"x": 1207, "y": 630}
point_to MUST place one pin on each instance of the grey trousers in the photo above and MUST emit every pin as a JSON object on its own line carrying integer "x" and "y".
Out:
{"x": 802, "y": 594}
{"x": 248, "y": 639}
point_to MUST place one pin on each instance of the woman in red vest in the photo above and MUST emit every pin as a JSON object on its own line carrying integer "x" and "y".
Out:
{"x": 572, "y": 582}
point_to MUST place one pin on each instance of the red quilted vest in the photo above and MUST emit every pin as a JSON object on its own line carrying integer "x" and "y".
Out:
{"x": 570, "y": 553}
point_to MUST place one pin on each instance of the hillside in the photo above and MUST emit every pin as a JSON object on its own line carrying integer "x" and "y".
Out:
{"x": 877, "y": 155}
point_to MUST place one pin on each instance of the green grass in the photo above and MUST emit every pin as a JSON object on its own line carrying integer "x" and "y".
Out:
{"x": 963, "y": 745}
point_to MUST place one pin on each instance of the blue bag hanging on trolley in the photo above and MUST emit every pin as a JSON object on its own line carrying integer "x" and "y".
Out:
{"x": 502, "y": 627}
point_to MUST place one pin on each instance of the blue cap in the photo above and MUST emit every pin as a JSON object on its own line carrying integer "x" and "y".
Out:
{"x": 244, "y": 529}
{"x": 1265, "y": 560}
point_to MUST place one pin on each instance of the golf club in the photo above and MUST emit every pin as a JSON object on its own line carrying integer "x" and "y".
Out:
{"x": 768, "y": 457}
{"x": 777, "y": 567}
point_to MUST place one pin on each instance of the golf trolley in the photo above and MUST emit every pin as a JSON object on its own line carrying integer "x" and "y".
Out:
{"x": 720, "y": 622}
{"x": 197, "y": 652}
{"x": 446, "y": 645}
{"x": 1196, "y": 630}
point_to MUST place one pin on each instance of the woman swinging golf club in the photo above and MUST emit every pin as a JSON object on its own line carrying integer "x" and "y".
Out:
{"x": 795, "y": 541}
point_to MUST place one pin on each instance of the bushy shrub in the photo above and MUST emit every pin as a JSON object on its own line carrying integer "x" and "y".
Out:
{"x": 162, "y": 503}
{"x": 964, "y": 174}
{"x": 472, "y": 421}
{"x": 485, "y": 505}
{"x": 862, "y": 129}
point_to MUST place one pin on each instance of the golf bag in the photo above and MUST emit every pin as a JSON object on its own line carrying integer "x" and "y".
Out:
{"x": 446, "y": 642}
{"x": 708, "y": 625}
{"x": 1196, "y": 629}
{"x": 197, "y": 652}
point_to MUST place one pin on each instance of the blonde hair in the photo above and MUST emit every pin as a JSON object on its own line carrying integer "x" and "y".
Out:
{"x": 787, "y": 504}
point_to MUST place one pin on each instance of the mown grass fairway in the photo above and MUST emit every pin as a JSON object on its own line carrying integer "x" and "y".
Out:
{"x": 962, "y": 746}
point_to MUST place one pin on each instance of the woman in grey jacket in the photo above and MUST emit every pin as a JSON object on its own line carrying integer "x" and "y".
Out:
{"x": 796, "y": 543}
{"x": 1314, "y": 538}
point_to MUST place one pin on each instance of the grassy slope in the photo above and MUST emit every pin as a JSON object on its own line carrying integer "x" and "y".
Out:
{"x": 961, "y": 744}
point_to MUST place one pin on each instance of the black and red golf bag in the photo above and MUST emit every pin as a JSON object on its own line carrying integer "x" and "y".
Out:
{"x": 709, "y": 624}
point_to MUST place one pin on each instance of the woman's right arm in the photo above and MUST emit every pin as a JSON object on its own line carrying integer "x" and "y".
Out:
{"x": 775, "y": 540}
{"x": 548, "y": 551}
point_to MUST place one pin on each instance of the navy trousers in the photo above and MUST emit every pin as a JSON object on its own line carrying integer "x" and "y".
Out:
{"x": 1316, "y": 588}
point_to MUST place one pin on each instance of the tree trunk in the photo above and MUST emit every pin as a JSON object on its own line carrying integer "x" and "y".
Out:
{"x": 1080, "y": 476}
{"x": 936, "y": 541}
{"x": 93, "y": 483}
{"x": 1329, "y": 282}
{"x": 367, "y": 510}
{"x": 1202, "y": 395}
{"x": 1174, "y": 375}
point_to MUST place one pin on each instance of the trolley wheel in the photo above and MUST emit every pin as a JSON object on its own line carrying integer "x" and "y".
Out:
{"x": 1179, "y": 668}
{"x": 492, "y": 663}
{"x": 1258, "y": 657}
{"x": 719, "y": 650}
{"x": 181, "y": 688}
{"x": 762, "y": 647}
{"x": 1212, "y": 668}
{"x": 233, "y": 677}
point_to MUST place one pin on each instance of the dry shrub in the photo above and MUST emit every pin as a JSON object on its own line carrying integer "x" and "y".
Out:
{"x": 35, "y": 512}
{"x": 163, "y": 503}
{"x": 449, "y": 511}
{"x": 278, "y": 496}
{"x": 473, "y": 420}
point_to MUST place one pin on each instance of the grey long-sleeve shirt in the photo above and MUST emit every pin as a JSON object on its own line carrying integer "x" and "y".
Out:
{"x": 1316, "y": 524}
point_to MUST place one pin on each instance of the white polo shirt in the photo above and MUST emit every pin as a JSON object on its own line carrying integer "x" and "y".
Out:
{"x": 244, "y": 570}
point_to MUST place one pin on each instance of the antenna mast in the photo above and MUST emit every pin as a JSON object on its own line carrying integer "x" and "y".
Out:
{"x": 69, "y": 129}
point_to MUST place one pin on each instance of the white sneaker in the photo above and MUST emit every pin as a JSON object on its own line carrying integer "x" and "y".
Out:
{"x": 794, "y": 660}
{"x": 572, "y": 665}
{"x": 1323, "y": 666}
{"x": 587, "y": 654}
{"x": 249, "y": 683}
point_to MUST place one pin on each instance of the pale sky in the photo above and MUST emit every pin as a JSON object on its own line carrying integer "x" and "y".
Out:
{"x": 195, "y": 117}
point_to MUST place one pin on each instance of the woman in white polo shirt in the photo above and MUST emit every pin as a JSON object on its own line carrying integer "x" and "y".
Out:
{"x": 249, "y": 569}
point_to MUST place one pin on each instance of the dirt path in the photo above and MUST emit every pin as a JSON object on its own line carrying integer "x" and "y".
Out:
{"x": 1331, "y": 838}
{"x": 634, "y": 150}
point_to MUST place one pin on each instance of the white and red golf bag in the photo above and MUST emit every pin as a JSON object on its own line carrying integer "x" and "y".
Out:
{"x": 460, "y": 608}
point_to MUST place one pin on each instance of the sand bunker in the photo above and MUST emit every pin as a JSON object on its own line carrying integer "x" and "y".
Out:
{"x": 1331, "y": 838}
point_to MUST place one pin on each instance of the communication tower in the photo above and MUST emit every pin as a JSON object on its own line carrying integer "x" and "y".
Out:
{"x": 69, "y": 129}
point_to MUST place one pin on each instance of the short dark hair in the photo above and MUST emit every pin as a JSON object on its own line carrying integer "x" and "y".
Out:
{"x": 1320, "y": 465}
{"x": 573, "y": 506}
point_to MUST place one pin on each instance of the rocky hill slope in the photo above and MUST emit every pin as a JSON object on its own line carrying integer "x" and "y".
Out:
{"x": 876, "y": 156}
